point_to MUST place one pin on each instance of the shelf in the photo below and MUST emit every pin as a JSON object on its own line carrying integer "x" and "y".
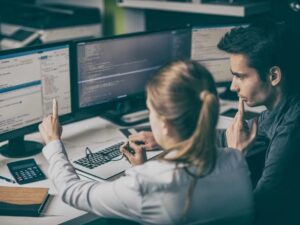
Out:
{"x": 201, "y": 8}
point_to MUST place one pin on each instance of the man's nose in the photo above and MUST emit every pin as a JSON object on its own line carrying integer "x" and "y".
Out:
{"x": 233, "y": 86}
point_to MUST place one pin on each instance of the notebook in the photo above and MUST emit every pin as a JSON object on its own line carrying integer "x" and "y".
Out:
{"x": 22, "y": 201}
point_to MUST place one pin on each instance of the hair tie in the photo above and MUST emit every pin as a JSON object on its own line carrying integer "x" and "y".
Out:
{"x": 203, "y": 95}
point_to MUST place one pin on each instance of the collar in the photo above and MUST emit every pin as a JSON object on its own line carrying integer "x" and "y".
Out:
{"x": 273, "y": 117}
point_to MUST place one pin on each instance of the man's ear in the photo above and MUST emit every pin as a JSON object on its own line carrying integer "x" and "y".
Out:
{"x": 275, "y": 75}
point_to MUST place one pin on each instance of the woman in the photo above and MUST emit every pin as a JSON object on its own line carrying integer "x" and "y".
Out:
{"x": 191, "y": 182}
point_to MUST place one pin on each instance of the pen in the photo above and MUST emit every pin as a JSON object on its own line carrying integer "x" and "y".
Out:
{"x": 7, "y": 179}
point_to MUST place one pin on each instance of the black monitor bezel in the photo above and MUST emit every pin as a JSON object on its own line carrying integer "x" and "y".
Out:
{"x": 103, "y": 106}
{"x": 34, "y": 127}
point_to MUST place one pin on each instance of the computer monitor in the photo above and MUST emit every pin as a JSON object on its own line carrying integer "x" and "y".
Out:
{"x": 29, "y": 79}
{"x": 205, "y": 51}
{"x": 117, "y": 68}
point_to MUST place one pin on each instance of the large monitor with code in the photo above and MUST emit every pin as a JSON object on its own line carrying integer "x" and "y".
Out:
{"x": 113, "y": 69}
{"x": 29, "y": 80}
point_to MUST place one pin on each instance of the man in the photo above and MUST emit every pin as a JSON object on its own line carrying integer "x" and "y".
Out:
{"x": 263, "y": 60}
{"x": 263, "y": 65}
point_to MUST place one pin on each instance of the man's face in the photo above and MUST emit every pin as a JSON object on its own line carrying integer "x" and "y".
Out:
{"x": 247, "y": 83}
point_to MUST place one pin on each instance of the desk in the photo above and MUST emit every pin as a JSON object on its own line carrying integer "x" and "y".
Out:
{"x": 75, "y": 137}
{"x": 93, "y": 132}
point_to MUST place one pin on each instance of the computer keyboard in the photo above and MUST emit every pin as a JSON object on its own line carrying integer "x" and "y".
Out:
{"x": 101, "y": 157}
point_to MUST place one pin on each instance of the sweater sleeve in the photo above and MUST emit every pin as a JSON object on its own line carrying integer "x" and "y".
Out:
{"x": 118, "y": 199}
{"x": 279, "y": 174}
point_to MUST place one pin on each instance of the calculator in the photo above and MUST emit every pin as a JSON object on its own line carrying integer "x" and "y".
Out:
{"x": 26, "y": 171}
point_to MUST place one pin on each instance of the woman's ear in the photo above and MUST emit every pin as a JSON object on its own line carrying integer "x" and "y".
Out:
{"x": 275, "y": 75}
{"x": 166, "y": 127}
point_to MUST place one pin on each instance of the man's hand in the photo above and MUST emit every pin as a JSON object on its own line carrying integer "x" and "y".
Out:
{"x": 239, "y": 135}
{"x": 146, "y": 137}
{"x": 139, "y": 156}
{"x": 50, "y": 128}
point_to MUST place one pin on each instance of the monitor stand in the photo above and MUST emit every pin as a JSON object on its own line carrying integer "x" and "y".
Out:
{"x": 126, "y": 120}
{"x": 18, "y": 148}
{"x": 127, "y": 113}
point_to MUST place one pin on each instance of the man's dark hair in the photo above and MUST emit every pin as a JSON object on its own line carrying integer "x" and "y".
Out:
{"x": 266, "y": 44}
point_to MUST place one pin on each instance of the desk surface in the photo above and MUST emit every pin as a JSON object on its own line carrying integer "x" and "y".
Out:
{"x": 94, "y": 133}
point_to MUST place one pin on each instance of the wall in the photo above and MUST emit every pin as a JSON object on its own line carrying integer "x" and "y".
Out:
{"x": 116, "y": 20}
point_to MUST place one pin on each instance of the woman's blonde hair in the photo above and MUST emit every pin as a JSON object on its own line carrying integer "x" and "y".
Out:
{"x": 184, "y": 93}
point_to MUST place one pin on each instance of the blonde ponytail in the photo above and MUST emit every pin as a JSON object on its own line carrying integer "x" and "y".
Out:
{"x": 200, "y": 148}
{"x": 203, "y": 138}
{"x": 202, "y": 142}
